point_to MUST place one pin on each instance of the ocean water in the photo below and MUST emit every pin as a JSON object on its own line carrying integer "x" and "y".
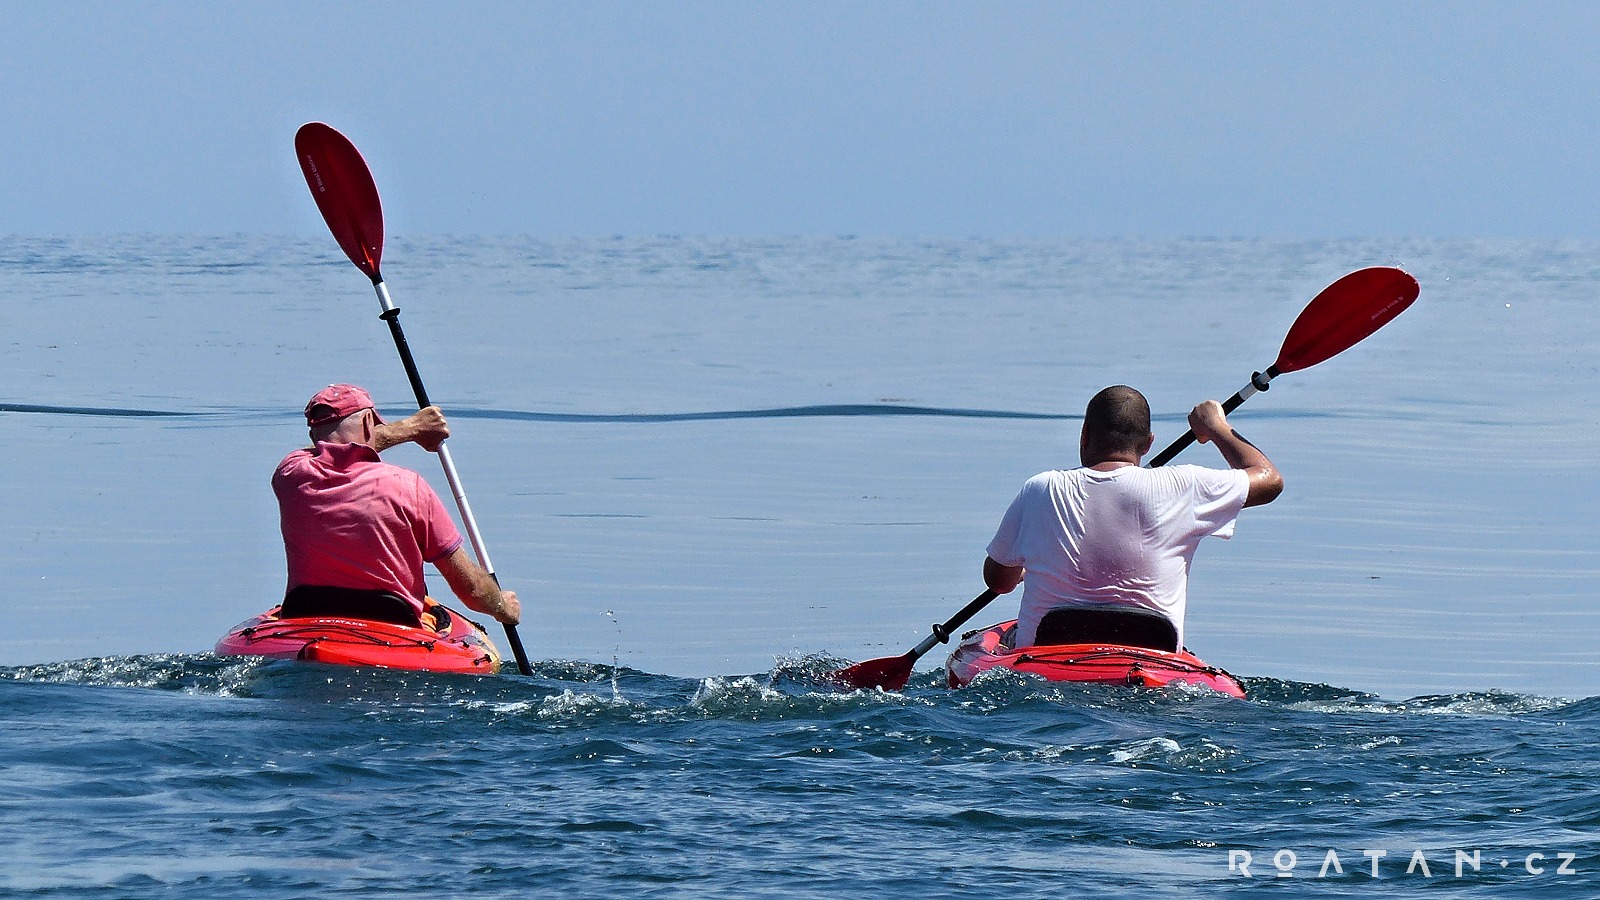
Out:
{"x": 713, "y": 469}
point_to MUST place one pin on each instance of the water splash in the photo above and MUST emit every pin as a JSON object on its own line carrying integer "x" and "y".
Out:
{"x": 616, "y": 652}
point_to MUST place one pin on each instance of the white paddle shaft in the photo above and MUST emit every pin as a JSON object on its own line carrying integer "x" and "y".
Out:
{"x": 450, "y": 473}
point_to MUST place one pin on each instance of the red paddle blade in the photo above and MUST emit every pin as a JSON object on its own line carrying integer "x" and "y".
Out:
{"x": 889, "y": 673}
{"x": 342, "y": 186}
{"x": 1345, "y": 314}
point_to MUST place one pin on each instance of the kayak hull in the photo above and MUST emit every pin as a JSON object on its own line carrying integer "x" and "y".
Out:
{"x": 463, "y": 647}
{"x": 1102, "y": 663}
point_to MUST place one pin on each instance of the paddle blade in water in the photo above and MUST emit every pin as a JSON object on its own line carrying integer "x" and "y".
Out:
{"x": 889, "y": 673}
{"x": 1344, "y": 314}
{"x": 342, "y": 185}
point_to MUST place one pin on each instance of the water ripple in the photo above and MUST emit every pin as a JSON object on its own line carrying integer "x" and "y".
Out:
{"x": 220, "y": 778}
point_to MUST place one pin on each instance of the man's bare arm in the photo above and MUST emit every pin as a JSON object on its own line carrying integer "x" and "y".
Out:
{"x": 1211, "y": 427}
{"x": 1001, "y": 579}
{"x": 426, "y": 428}
{"x": 477, "y": 588}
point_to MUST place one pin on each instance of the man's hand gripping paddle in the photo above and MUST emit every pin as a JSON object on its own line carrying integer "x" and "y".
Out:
{"x": 1343, "y": 315}
{"x": 345, "y": 192}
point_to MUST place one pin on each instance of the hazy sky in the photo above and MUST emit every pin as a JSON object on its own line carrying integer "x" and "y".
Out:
{"x": 756, "y": 118}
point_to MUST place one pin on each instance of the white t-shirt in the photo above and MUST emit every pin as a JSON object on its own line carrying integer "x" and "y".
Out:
{"x": 1146, "y": 523}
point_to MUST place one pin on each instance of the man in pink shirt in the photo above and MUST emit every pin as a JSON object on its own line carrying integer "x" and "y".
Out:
{"x": 356, "y": 531}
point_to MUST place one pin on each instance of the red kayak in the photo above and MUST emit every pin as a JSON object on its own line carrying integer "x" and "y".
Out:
{"x": 458, "y": 644}
{"x": 1099, "y": 663}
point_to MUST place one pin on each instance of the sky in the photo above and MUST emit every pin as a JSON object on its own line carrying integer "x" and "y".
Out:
{"x": 886, "y": 118}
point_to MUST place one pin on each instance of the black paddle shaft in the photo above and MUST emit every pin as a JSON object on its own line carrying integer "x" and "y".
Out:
{"x": 943, "y": 632}
{"x": 392, "y": 316}
{"x": 1259, "y": 381}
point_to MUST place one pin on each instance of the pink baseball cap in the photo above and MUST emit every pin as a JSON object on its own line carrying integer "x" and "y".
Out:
{"x": 342, "y": 400}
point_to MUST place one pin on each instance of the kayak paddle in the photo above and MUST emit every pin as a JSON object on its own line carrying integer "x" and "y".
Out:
{"x": 1343, "y": 315}
{"x": 342, "y": 185}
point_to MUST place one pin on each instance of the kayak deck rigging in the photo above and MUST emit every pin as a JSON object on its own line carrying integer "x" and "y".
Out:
{"x": 462, "y": 647}
{"x": 1090, "y": 662}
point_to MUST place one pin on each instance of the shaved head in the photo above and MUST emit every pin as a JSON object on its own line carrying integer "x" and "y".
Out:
{"x": 1116, "y": 424}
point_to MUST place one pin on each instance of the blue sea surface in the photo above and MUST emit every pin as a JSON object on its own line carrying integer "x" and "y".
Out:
{"x": 198, "y": 776}
{"x": 716, "y": 469}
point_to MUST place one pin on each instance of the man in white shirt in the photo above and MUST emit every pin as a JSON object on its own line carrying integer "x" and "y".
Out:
{"x": 1113, "y": 537}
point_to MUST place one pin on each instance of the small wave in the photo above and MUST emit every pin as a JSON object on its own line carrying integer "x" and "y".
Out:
{"x": 1484, "y": 704}
{"x": 573, "y": 691}
{"x": 1273, "y": 690}
{"x": 749, "y": 696}
{"x": 569, "y": 705}
{"x": 1140, "y": 750}
{"x": 831, "y": 410}
{"x": 1196, "y": 753}
{"x": 609, "y": 826}
{"x": 824, "y": 410}
{"x": 187, "y": 673}
{"x": 96, "y": 411}
{"x": 992, "y": 822}
{"x": 591, "y": 750}
{"x": 580, "y": 670}
{"x": 804, "y": 674}
{"x": 721, "y": 693}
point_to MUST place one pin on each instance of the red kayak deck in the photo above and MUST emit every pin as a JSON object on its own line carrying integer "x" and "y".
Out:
{"x": 462, "y": 646}
{"x": 983, "y": 650}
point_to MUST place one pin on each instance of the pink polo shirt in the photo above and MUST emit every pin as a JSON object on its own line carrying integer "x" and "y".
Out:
{"x": 352, "y": 521}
